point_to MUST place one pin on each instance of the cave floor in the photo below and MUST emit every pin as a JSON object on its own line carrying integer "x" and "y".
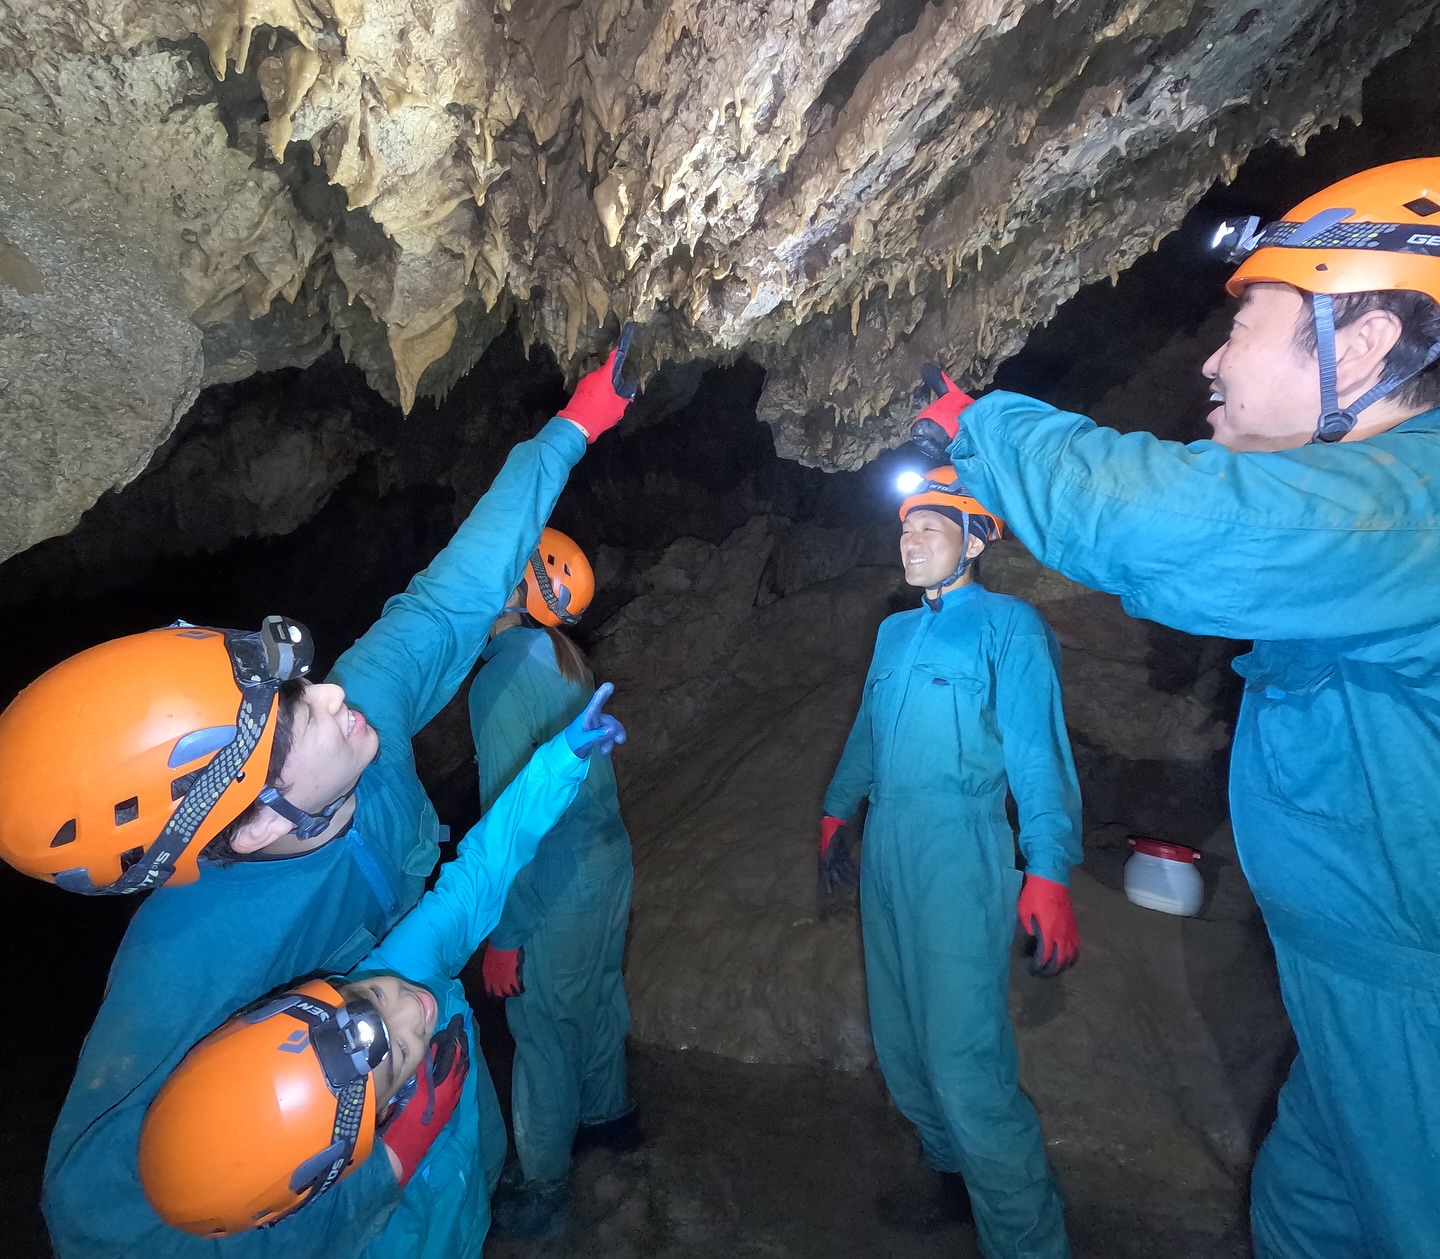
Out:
{"x": 788, "y": 1161}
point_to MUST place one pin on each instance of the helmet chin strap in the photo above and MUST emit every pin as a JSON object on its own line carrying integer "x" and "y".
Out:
{"x": 1337, "y": 421}
{"x": 935, "y": 604}
{"x": 307, "y": 825}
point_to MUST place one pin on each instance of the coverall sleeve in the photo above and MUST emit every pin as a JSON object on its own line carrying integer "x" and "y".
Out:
{"x": 451, "y": 921}
{"x": 510, "y": 715}
{"x": 405, "y": 668}
{"x": 1300, "y": 544}
{"x": 1038, "y": 763}
{"x": 855, "y": 774}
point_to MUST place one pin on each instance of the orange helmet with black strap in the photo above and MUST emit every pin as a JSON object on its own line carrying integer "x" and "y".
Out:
{"x": 1374, "y": 231}
{"x": 119, "y": 764}
{"x": 266, "y": 1113}
{"x": 940, "y": 489}
{"x": 559, "y": 582}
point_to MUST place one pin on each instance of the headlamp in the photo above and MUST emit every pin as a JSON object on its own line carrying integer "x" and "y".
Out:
{"x": 1236, "y": 239}
{"x": 909, "y": 481}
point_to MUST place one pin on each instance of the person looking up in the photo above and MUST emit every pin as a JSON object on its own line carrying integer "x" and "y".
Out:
{"x": 266, "y": 1119}
{"x": 122, "y": 765}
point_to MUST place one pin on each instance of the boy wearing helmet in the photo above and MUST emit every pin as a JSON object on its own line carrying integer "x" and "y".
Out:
{"x": 961, "y": 703}
{"x": 120, "y": 765}
{"x": 1311, "y": 524}
{"x": 556, "y": 953}
{"x": 301, "y": 1084}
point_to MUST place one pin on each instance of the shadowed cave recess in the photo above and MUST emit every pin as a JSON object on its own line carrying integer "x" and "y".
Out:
{"x": 738, "y": 593}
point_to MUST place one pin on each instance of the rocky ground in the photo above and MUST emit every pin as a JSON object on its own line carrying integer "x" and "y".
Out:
{"x": 787, "y": 1162}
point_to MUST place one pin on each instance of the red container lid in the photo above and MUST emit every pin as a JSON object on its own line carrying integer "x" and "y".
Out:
{"x": 1159, "y": 848}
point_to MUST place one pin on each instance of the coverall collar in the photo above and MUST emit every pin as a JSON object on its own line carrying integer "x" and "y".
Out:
{"x": 1425, "y": 422}
{"x": 493, "y": 645}
{"x": 950, "y": 599}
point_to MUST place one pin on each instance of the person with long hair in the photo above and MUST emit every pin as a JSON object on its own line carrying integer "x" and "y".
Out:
{"x": 556, "y": 954}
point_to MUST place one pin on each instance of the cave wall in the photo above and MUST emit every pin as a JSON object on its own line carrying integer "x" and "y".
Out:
{"x": 840, "y": 189}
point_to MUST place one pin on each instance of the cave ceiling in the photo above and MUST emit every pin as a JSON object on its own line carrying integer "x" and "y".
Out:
{"x": 195, "y": 190}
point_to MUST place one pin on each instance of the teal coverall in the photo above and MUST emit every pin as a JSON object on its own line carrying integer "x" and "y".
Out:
{"x": 445, "y": 1210}
{"x": 193, "y": 955}
{"x": 568, "y": 909}
{"x": 1327, "y": 556}
{"x": 959, "y": 704}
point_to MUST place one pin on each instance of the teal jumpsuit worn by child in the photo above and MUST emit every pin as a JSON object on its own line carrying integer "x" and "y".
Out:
{"x": 568, "y": 910}
{"x": 960, "y": 703}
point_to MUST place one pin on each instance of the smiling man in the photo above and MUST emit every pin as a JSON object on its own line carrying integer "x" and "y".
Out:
{"x": 961, "y": 704}
{"x": 1311, "y": 524}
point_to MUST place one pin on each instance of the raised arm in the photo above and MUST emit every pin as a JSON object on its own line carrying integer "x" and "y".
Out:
{"x": 413, "y": 659}
{"x": 1307, "y": 543}
{"x": 451, "y": 921}
{"x": 1038, "y": 763}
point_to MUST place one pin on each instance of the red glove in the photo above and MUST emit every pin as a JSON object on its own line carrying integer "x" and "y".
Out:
{"x": 409, "y": 1132}
{"x": 601, "y": 397}
{"x": 836, "y": 868}
{"x": 1046, "y": 914}
{"x": 500, "y": 970}
{"x": 938, "y": 424}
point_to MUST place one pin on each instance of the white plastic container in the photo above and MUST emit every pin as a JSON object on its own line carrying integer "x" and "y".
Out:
{"x": 1163, "y": 876}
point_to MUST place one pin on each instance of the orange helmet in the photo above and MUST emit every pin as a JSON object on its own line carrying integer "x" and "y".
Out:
{"x": 266, "y": 1113}
{"x": 1375, "y": 231}
{"x": 1379, "y": 229}
{"x": 120, "y": 763}
{"x": 940, "y": 489}
{"x": 559, "y": 582}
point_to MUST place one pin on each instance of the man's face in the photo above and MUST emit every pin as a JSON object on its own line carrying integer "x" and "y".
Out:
{"x": 930, "y": 547}
{"x": 330, "y": 747}
{"x": 1268, "y": 389}
{"x": 410, "y": 1014}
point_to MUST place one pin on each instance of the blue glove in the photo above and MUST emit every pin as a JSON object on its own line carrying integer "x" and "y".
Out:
{"x": 593, "y": 729}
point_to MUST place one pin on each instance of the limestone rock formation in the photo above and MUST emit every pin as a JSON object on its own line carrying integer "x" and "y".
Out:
{"x": 840, "y": 188}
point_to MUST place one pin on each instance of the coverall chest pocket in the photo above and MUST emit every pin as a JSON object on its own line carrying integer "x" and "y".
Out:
{"x": 1312, "y": 762}
{"x": 943, "y": 706}
{"x": 344, "y": 958}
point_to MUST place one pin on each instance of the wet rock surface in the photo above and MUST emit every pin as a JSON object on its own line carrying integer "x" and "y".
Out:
{"x": 840, "y": 190}
{"x": 788, "y": 1161}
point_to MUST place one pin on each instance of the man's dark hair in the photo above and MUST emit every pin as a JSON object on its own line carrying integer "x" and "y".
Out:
{"x": 288, "y": 701}
{"x": 1419, "y": 318}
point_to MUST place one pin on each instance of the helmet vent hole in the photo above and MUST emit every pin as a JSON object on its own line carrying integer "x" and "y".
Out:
{"x": 129, "y": 858}
{"x": 127, "y": 811}
{"x": 65, "y": 835}
{"x": 550, "y": 561}
{"x": 1423, "y": 207}
{"x": 566, "y": 569}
